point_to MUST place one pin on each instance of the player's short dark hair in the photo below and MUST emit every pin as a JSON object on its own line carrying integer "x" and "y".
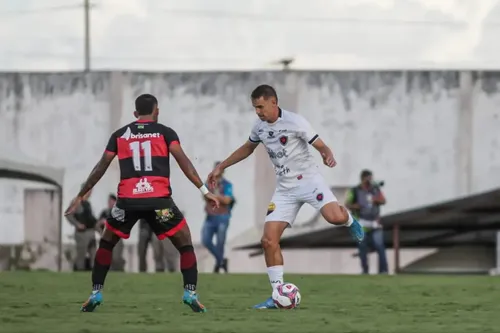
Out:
{"x": 145, "y": 104}
{"x": 112, "y": 197}
{"x": 265, "y": 91}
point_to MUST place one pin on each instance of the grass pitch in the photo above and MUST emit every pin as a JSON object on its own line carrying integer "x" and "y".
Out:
{"x": 50, "y": 302}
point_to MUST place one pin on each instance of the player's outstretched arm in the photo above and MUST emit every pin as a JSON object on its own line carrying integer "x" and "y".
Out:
{"x": 185, "y": 164}
{"x": 326, "y": 153}
{"x": 190, "y": 172}
{"x": 239, "y": 154}
{"x": 95, "y": 175}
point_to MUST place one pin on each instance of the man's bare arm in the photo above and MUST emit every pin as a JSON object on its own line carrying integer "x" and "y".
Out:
{"x": 97, "y": 173}
{"x": 320, "y": 146}
{"x": 185, "y": 164}
{"x": 72, "y": 220}
{"x": 239, "y": 154}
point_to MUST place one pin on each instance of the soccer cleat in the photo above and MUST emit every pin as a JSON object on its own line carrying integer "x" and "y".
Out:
{"x": 191, "y": 298}
{"x": 267, "y": 304}
{"x": 92, "y": 303}
{"x": 356, "y": 231}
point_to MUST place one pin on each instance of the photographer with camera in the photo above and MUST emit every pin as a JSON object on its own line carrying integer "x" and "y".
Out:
{"x": 364, "y": 201}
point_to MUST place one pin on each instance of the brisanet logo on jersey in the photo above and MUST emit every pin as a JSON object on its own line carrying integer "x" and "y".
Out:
{"x": 144, "y": 135}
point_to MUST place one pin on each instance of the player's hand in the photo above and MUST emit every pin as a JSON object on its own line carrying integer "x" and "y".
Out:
{"x": 329, "y": 160}
{"x": 213, "y": 177}
{"x": 81, "y": 227}
{"x": 73, "y": 206}
{"x": 212, "y": 198}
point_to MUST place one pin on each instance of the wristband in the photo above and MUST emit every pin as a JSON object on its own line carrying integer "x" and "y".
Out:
{"x": 204, "y": 190}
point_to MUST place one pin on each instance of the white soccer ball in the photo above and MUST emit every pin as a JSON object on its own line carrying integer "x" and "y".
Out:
{"x": 286, "y": 296}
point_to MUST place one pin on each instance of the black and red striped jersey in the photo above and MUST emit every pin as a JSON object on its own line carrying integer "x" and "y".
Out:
{"x": 142, "y": 148}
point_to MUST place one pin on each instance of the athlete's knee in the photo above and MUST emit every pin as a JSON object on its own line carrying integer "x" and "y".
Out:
{"x": 110, "y": 236}
{"x": 335, "y": 213}
{"x": 269, "y": 243}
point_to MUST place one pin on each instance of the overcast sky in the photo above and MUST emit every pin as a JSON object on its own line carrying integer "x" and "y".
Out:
{"x": 250, "y": 34}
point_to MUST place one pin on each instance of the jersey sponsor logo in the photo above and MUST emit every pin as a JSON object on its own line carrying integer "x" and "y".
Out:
{"x": 281, "y": 170}
{"x": 143, "y": 186}
{"x": 270, "y": 134}
{"x": 164, "y": 215}
{"x": 270, "y": 208}
{"x": 283, "y": 140}
{"x": 129, "y": 135}
{"x": 277, "y": 155}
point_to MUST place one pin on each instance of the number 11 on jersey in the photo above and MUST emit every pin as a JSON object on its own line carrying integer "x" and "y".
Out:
{"x": 136, "y": 147}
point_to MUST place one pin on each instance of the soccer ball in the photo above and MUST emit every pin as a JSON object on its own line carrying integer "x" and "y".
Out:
{"x": 286, "y": 296}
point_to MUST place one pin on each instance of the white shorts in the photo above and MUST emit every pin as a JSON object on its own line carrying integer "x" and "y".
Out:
{"x": 286, "y": 203}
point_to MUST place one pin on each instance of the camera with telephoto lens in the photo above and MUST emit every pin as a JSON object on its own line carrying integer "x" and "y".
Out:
{"x": 378, "y": 184}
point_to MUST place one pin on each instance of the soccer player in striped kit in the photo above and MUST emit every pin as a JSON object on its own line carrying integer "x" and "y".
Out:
{"x": 143, "y": 148}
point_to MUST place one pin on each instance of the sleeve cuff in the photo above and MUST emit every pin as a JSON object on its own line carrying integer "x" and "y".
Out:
{"x": 252, "y": 140}
{"x": 314, "y": 138}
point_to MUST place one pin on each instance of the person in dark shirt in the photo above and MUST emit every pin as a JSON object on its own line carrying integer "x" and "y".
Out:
{"x": 143, "y": 148}
{"x": 84, "y": 221}
{"x": 365, "y": 201}
{"x": 117, "y": 263}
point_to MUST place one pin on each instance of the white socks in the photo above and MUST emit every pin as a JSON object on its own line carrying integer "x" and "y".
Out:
{"x": 275, "y": 274}
{"x": 350, "y": 220}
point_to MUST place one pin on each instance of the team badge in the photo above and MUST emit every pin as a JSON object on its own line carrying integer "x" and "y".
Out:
{"x": 271, "y": 208}
{"x": 164, "y": 215}
{"x": 319, "y": 197}
{"x": 283, "y": 140}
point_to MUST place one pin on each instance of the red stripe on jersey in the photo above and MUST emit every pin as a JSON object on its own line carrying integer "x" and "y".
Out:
{"x": 174, "y": 142}
{"x": 144, "y": 187}
{"x": 158, "y": 147}
{"x": 110, "y": 152}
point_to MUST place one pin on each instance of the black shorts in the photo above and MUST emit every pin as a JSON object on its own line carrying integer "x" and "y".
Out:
{"x": 164, "y": 222}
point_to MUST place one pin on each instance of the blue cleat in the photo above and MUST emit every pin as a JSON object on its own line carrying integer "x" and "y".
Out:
{"x": 267, "y": 304}
{"x": 93, "y": 302}
{"x": 191, "y": 298}
{"x": 357, "y": 231}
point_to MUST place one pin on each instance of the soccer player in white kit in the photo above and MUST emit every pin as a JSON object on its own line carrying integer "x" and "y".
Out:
{"x": 287, "y": 136}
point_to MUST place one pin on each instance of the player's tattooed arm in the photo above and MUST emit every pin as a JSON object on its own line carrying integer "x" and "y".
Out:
{"x": 185, "y": 164}
{"x": 97, "y": 173}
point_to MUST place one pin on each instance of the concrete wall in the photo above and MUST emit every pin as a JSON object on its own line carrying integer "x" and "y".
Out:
{"x": 430, "y": 135}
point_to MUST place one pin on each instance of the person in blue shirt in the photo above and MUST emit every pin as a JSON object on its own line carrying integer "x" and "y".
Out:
{"x": 217, "y": 222}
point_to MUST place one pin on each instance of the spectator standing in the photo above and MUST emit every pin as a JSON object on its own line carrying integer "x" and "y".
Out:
{"x": 84, "y": 222}
{"x": 364, "y": 201}
{"x": 164, "y": 252}
{"x": 117, "y": 263}
{"x": 217, "y": 223}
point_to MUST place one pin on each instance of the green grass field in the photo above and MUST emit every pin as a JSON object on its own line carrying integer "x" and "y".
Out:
{"x": 48, "y": 302}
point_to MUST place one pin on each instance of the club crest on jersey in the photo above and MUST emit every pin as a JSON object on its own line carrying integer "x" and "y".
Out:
{"x": 319, "y": 197}
{"x": 271, "y": 208}
{"x": 283, "y": 140}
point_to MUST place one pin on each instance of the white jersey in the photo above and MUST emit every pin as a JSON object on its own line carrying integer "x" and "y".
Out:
{"x": 287, "y": 142}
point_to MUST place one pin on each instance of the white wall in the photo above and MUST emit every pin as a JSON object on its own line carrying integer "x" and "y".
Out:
{"x": 410, "y": 129}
